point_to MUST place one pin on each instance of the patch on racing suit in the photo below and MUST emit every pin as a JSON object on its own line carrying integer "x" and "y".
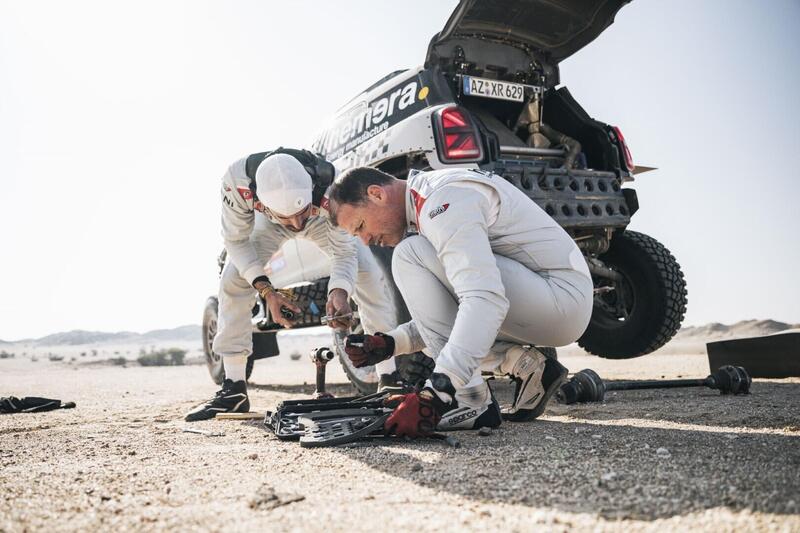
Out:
{"x": 245, "y": 193}
{"x": 438, "y": 211}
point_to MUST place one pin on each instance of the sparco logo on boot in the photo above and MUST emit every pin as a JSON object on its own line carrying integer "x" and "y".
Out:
{"x": 460, "y": 418}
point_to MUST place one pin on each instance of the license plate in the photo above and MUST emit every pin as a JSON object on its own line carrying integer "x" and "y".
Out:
{"x": 502, "y": 90}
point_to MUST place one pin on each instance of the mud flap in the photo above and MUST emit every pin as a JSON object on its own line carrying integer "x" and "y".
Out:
{"x": 770, "y": 356}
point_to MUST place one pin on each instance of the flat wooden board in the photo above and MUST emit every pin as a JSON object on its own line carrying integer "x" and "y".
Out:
{"x": 239, "y": 416}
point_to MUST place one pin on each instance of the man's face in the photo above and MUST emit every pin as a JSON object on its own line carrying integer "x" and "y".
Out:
{"x": 378, "y": 221}
{"x": 297, "y": 221}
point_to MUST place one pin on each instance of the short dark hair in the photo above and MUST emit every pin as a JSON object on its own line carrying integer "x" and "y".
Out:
{"x": 351, "y": 187}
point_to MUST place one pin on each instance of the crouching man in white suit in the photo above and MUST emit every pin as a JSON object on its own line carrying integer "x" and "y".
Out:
{"x": 267, "y": 199}
{"x": 488, "y": 275}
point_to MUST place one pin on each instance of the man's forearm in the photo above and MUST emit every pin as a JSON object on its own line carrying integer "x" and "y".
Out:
{"x": 243, "y": 256}
{"x": 406, "y": 338}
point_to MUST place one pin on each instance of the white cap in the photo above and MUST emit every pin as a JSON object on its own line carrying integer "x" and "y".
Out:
{"x": 283, "y": 185}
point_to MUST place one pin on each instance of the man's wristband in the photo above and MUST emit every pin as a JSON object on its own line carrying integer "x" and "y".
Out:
{"x": 265, "y": 279}
{"x": 267, "y": 289}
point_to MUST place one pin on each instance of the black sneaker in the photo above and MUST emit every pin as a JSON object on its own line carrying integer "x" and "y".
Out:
{"x": 392, "y": 383}
{"x": 552, "y": 376}
{"x": 231, "y": 399}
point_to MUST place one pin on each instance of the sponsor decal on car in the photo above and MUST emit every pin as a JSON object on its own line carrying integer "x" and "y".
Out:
{"x": 438, "y": 211}
{"x": 365, "y": 121}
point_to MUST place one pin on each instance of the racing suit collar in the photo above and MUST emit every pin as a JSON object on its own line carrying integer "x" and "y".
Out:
{"x": 414, "y": 202}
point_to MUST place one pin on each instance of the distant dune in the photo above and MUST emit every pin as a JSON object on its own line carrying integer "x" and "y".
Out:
{"x": 80, "y": 337}
{"x": 745, "y": 328}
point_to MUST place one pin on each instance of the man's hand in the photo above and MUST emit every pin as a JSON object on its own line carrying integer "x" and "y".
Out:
{"x": 338, "y": 304}
{"x": 366, "y": 350}
{"x": 416, "y": 416}
{"x": 418, "y": 413}
{"x": 275, "y": 302}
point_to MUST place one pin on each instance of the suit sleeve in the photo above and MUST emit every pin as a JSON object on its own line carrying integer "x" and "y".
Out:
{"x": 237, "y": 224}
{"x": 407, "y": 338}
{"x": 460, "y": 236}
{"x": 344, "y": 263}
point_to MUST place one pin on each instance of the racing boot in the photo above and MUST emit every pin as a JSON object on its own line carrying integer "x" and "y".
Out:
{"x": 475, "y": 407}
{"x": 470, "y": 408}
{"x": 232, "y": 398}
{"x": 536, "y": 377}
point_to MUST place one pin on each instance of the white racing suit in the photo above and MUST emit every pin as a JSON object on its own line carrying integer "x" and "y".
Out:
{"x": 488, "y": 272}
{"x": 252, "y": 237}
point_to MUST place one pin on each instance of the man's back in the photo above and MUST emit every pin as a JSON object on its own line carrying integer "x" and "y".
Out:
{"x": 516, "y": 227}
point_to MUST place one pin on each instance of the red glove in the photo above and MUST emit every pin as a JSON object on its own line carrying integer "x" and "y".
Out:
{"x": 366, "y": 350}
{"x": 416, "y": 415}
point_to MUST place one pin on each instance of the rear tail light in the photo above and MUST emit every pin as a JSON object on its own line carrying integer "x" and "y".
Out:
{"x": 626, "y": 153}
{"x": 458, "y": 138}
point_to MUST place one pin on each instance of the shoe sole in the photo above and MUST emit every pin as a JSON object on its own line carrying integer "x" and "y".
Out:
{"x": 526, "y": 415}
{"x": 242, "y": 407}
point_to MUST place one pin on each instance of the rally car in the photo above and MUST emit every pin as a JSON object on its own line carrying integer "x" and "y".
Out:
{"x": 489, "y": 96}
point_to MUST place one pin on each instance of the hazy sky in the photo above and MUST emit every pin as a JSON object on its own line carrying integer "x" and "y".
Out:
{"x": 118, "y": 119}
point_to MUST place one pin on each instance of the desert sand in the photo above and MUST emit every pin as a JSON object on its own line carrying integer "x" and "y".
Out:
{"x": 640, "y": 461}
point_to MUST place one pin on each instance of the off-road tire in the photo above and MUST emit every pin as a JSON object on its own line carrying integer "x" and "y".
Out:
{"x": 655, "y": 294}
{"x": 364, "y": 379}
{"x": 214, "y": 361}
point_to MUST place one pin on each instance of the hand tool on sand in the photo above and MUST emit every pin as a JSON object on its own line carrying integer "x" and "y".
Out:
{"x": 329, "y": 318}
{"x": 204, "y": 432}
{"x": 321, "y": 357}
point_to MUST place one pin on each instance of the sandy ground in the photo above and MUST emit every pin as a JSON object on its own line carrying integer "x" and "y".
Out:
{"x": 645, "y": 460}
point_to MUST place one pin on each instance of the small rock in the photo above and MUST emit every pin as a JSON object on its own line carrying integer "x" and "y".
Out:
{"x": 609, "y": 476}
{"x": 549, "y": 437}
{"x": 646, "y": 446}
{"x": 578, "y": 430}
{"x": 662, "y": 452}
{"x": 253, "y": 456}
{"x": 596, "y": 436}
{"x": 132, "y": 452}
{"x": 484, "y": 431}
{"x": 267, "y": 498}
{"x": 416, "y": 467}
